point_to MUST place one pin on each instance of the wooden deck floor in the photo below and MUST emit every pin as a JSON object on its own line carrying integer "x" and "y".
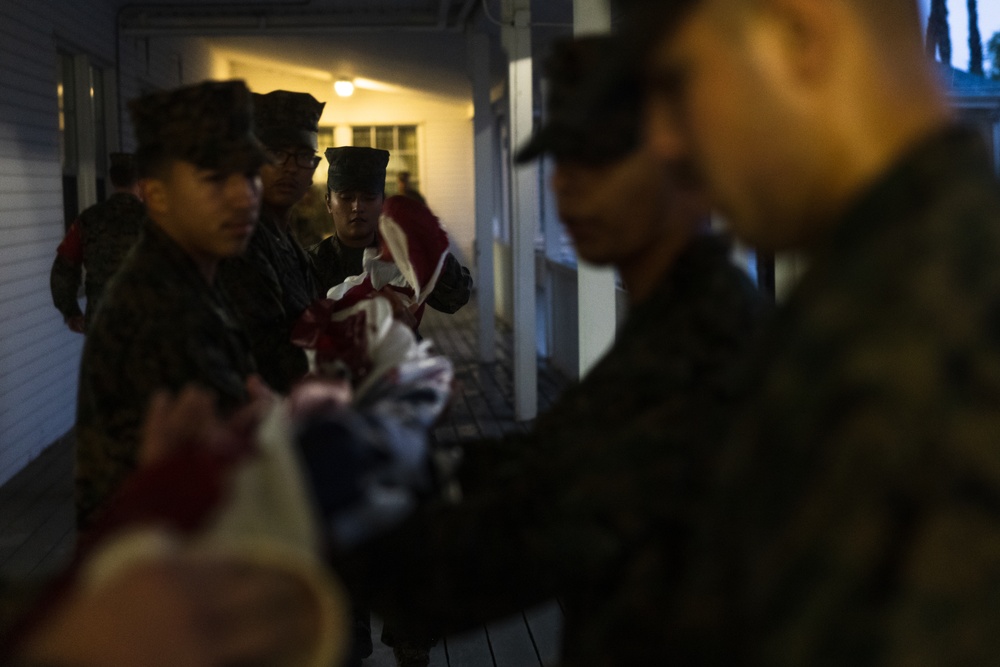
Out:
{"x": 36, "y": 506}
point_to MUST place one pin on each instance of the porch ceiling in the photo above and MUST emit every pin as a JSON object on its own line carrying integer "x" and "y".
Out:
{"x": 420, "y": 43}
{"x": 294, "y": 17}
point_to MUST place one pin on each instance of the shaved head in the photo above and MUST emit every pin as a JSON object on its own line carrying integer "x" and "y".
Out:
{"x": 896, "y": 21}
{"x": 787, "y": 108}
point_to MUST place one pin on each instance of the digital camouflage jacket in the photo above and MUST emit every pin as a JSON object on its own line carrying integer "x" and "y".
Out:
{"x": 270, "y": 285}
{"x": 593, "y": 505}
{"x": 97, "y": 241}
{"x": 161, "y": 326}
{"x": 857, "y": 519}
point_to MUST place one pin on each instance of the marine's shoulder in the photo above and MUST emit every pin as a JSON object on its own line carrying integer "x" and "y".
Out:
{"x": 327, "y": 247}
{"x": 124, "y": 204}
{"x": 151, "y": 280}
{"x": 705, "y": 286}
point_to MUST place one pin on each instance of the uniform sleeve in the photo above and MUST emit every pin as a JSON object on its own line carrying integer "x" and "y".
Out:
{"x": 66, "y": 277}
{"x": 599, "y": 497}
{"x": 323, "y": 260}
{"x": 858, "y": 508}
{"x": 120, "y": 369}
{"x": 71, "y": 247}
{"x": 887, "y": 553}
{"x": 543, "y": 512}
{"x": 453, "y": 289}
{"x": 254, "y": 288}
{"x": 454, "y": 566}
{"x": 136, "y": 348}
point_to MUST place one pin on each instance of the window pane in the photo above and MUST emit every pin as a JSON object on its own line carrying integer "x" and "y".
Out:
{"x": 410, "y": 164}
{"x": 401, "y": 142}
{"x": 362, "y": 136}
{"x": 408, "y": 138}
{"x": 384, "y": 138}
{"x": 324, "y": 139}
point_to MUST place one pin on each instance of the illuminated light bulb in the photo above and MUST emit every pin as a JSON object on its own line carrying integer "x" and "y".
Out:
{"x": 344, "y": 87}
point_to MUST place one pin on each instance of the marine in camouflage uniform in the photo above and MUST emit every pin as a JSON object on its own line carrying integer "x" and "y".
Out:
{"x": 273, "y": 281}
{"x": 164, "y": 323}
{"x": 856, "y": 510}
{"x": 588, "y": 506}
{"x": 354, "y": 169}
{"x": 355, "y": 194}
{"x": 98, "y": 241}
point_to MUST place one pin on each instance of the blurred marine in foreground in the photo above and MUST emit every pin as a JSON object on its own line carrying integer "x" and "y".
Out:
{"x": 855, "y": 514}
{"x": 595, "y": 504}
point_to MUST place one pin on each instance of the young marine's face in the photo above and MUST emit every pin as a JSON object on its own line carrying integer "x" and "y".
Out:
{"x": 289, "y": 178}
{"x": 716, "y": 99}
{"x": 210, "y": 214}
{"x": 355, "y": 215}
{"x": 613, "y": 211}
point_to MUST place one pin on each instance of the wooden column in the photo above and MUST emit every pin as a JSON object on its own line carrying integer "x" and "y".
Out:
{"x": 595, "y": 284}
{"x": 486, "y": 161}
{"x": 524, "y": 206}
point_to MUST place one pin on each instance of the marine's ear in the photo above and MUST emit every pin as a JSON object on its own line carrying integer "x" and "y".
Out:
{"x": 798, "y": 39}
{"x": 154, "y": 194}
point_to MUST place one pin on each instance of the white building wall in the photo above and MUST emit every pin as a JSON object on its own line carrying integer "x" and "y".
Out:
{"x": 39, "y": 356}
{"x": 448, "y": 180}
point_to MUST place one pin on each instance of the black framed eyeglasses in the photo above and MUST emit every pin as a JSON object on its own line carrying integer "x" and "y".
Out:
{"x": 304, "y": 159}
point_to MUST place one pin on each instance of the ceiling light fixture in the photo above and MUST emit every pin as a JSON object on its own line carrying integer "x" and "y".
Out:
{"x": 344, "y": 87}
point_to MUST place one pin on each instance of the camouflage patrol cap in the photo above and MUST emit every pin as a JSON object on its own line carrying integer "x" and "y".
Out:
{"x": 208, "y": 124}
{"x": 122, "y": 169}
{"x": 640, "y": 26}
{"x": 606, "y": 128}
{"x": 356, "y": 168}
{"x": 283, "y": 118}
{"x": 642, "y": 21}
{"x": 122, "y": 160}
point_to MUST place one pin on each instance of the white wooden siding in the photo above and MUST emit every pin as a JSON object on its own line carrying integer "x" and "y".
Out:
{"x": 39, "y": 356}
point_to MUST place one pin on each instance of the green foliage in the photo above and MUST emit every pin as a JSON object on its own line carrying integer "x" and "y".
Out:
{"x": 993, "y": 49}
{"x": 938, "y": 34}
{"x": 975, "y": 40}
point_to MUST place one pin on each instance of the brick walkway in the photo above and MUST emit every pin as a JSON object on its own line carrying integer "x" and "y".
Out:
{"x": 36, "y": 506}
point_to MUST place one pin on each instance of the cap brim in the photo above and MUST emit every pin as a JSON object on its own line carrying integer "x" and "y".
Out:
{"x": 582, "y": 132}
{"x": 540, "y": 142}
{"x": 246, "y": 157}
{"x": 283, "y": 137}
{"x": 644, "y": 24}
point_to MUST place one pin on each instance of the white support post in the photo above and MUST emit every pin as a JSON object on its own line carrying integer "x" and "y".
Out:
{"x": 486, "y": 159}
{"x": 524, "y": 208}
{"x": 596, "y": 285}
{"x": 342, "y": 135}
{"x": 591, "y": 17}
{"x": 553, "y": 239}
